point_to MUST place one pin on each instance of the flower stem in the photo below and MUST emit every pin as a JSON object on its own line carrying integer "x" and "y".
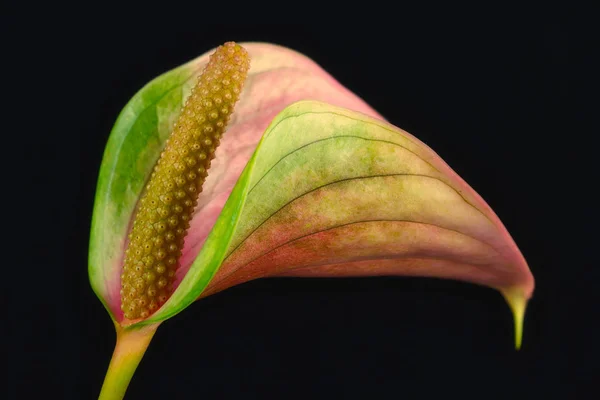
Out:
{"x": 129, "y": 350}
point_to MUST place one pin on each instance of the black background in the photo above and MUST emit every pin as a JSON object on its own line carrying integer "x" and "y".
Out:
{"x": 490, "y": 95}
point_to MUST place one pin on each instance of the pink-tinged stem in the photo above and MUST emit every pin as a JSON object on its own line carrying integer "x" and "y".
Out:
{"x": 129, "y": 350}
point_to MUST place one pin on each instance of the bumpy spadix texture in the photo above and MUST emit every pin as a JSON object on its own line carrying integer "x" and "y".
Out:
{"x": 165, "y": 210}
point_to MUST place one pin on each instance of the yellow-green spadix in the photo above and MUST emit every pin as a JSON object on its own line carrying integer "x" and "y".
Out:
{"x": 169, "y": 199}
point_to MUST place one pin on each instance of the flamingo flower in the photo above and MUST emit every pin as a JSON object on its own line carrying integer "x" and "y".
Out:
{"x": 251, "y": 162}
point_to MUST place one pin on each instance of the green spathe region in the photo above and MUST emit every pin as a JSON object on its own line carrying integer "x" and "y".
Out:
{"x": 133, "y": 148}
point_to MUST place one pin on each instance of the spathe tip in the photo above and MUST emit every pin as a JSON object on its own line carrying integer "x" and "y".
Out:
{"x": 517, "y": 301}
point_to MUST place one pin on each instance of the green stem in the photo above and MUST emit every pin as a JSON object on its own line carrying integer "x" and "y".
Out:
{"x": 129, "y": 350}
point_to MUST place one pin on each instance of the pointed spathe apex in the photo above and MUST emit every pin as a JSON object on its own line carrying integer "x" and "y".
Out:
{"x": 517, "y": 301}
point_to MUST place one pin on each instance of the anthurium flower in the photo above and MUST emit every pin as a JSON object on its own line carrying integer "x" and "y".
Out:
{"x": 251, "y": 161}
